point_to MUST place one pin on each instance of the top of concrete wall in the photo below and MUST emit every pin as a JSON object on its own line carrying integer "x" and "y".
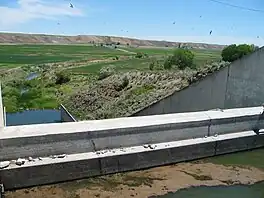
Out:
{"x": 123, "y": 123}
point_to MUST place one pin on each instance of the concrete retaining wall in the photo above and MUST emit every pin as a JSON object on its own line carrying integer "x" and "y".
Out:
{"x": 79, "y": 166}
{"x": 239, "y": 85}
{"x": 66, "y": 116}
{"x": 88, "y": 136}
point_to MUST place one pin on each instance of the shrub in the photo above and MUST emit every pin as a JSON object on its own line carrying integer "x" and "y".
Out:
{"x": 234, "y": 52}
{"x": 151, "y": 66}
{"x": 105, "y": 72}
{"x": 62, "y": 77}
{"x": 123, "y": 84}
{"x": 116, "y": 58}
{"x": 139, "y": 55}
{"x": 181, "y": 58}
{"x": 168, "y": 63}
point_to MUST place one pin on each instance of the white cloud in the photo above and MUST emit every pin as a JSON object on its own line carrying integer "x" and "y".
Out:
{"x": 28, "y": 10}
{"x": 225, "y": 40}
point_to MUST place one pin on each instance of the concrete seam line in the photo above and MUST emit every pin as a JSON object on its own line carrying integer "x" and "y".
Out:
{"x": 215, "y": 147}
{"x": 209, "y": 125}
{"x": 94, "y": 147}
{"x": 226, "y": 87}
{"x": 100, "y": 165}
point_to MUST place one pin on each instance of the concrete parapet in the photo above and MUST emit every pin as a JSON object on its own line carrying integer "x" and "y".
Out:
{"x": 89, "y": 136}
{"x": 83, "y": 165}
{"x": 235, "y": 120}
{"x": 50, "y": 139}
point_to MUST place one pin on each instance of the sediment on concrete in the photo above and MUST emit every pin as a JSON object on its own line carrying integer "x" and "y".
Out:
{"x": 83, "y": 165}
{"x": 89, "y": 136}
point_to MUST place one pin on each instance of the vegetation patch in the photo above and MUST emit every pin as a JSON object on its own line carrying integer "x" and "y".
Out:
{"x": 110, "y": 182}
{"x": 199, "y": 177}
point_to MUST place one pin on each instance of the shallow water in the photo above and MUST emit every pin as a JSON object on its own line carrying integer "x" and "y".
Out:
{"x": 252, "y": 158}
{"x": 33, "y": 117}
{"x": 238, "y": 191}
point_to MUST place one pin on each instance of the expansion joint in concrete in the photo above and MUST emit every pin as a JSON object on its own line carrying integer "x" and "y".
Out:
{"x": 226, "y": 86}
{"x": 100, "y": 166}
{"x": 94, "y": 147}
{"x": 209, "y": 125}
{"x": 215, "y": 148}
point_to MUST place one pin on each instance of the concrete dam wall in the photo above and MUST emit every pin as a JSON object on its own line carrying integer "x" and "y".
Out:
{"x": 239, "y": 85}
{"x": 51, "y": 153}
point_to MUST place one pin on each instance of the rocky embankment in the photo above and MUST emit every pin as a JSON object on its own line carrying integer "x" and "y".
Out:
{"x": 123, "y": 94}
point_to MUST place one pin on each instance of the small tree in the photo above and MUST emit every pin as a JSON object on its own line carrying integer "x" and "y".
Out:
{"x": 181, "y": 58}
{"x": 234, "y": 52}
{"x": 62, "y": 77}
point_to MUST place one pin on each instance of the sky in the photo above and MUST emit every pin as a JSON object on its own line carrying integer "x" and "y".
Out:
{"x": 172, "y": 20}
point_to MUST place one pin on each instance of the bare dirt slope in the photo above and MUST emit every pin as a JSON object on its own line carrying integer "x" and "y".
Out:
{"x": 85, "y": 39}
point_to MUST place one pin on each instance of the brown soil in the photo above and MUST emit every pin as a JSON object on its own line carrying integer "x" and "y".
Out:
{"x": 142, "y": 184}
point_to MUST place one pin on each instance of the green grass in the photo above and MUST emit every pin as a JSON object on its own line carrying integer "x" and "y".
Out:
{"x": 12, "y": 55}
{"x": 201, "y": 58}
{"x": 130, "y": 64}
{"x": 168, "y": 51}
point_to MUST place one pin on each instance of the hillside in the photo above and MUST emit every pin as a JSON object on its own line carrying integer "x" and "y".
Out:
{"x": 18, "y": 38}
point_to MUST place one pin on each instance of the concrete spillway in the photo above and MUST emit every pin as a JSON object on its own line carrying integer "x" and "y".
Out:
{"x": 101, "y": 147}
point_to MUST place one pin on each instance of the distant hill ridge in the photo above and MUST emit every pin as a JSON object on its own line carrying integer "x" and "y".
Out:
{"x": 20, "y": 38}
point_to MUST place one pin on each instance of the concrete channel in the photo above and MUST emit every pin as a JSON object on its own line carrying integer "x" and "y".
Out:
{"x": 51, "y": 153}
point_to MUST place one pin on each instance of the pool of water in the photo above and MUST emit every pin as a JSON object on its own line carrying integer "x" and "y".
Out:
{"x": 33, "y": 117}
{"x": 237, "y": 191}
{"x": 253, "y": 158}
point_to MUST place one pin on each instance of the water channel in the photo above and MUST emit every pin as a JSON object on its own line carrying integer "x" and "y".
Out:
{"x": 33, "y": 117}
{"x": 252, "y": 158}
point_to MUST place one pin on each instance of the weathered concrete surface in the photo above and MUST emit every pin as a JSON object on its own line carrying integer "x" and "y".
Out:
{"x": 78, "y": 166}
{"x": 245, "y": 81}
{"x": 66, "y": 116}
{"x": 239, "y": 85}
{"x": 89, "y": 136}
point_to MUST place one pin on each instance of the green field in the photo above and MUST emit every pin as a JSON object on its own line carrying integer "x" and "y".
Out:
{"x": 13, "y": 55}
{"x": 130, "y": 64}
{"x": 201, "y": 58}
